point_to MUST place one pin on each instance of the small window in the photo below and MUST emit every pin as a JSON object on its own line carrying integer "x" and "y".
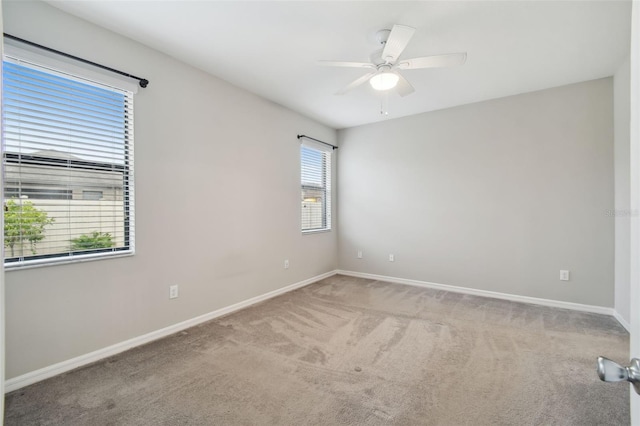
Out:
{"x": 92, "y": 195}
{"x": 316, "y": 188}
{"x": 64, "y": 134}
{"x": 38, "y": 193}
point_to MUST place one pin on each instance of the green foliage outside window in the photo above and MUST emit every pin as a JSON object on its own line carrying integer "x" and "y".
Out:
{"x": 23, "y": 222}
{"x": 94, "y": 241}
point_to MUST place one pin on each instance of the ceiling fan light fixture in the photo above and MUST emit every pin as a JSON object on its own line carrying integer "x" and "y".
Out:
{"x": 384, "y": 81}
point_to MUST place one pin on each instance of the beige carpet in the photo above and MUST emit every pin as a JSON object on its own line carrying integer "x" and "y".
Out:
{"x": 348, "y": 351}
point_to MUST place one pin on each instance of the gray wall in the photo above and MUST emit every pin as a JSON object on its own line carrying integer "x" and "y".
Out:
{"x": 498, "y": 195}
{"x": 217, "y": 206}
{"x": 621, "y": 108}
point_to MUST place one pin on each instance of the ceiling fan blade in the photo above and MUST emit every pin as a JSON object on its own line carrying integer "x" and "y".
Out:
{"x": 436, "y": 61}
{"x": 355, "y": 83}
{"x": 403, "y": 87}
{"x": 397, "y": 41}
{"x": 346, "y": 64}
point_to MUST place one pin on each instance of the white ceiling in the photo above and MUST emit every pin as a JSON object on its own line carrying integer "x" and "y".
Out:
{"x": 271, "y": 48}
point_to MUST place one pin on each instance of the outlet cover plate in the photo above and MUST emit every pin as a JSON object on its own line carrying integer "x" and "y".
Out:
{"x": 173, "y": 291}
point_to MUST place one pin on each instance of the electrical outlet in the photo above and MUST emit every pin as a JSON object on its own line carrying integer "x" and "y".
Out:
{"x": 286, "y": 264}
{"x": 564, "y": 275}
{"x": 392, "y": 258}
{"x": 173, "y": 291}
{"x": 359, "y": 254}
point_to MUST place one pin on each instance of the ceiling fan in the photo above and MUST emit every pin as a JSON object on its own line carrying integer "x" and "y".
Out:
{"x": 386, "y": 65}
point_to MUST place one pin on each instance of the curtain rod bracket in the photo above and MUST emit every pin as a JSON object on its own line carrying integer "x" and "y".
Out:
{"x": 316, "y": 140}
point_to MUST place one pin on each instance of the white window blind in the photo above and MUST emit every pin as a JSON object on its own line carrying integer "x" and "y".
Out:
{"x": 315, "y": 160}
{"x": 68, "y": 166}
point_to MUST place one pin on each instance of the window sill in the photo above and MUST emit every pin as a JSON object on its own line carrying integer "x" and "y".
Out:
{"x": 10, "y": 267}
{"x": 315, "y": 231}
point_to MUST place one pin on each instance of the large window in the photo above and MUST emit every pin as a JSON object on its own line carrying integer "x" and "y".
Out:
{"x": 316, "y": 187}
{"x": 68, "y": 166}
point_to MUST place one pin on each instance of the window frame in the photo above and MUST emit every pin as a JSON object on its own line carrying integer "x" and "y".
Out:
{"x": 75, "y": 73}
{"x": 325, "y": 188}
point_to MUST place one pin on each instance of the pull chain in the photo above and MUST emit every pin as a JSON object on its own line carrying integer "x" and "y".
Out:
{"x": 384, "y": 103}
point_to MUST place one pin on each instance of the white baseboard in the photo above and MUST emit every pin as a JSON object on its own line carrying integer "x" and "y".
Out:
{"x": 64, "y": 366}
{"x": 487, "y": 293}
{"x": 622, "y": 321}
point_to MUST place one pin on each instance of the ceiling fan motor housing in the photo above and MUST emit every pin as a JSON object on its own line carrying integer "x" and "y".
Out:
{"x": 382, "y": 36}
